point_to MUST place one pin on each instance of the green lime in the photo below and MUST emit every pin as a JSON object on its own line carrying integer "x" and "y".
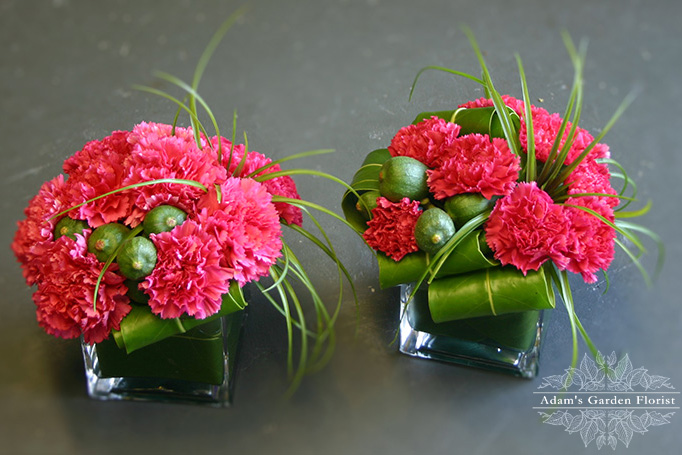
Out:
{"x": 402, "y": 176}
{"x": 104, "y": 240}
{"x": 163, "y": 219}
{"x": 137, "y": 258}
{"x": 135, "y": 293}
{"x": 463, "y": 207}
{"x": 69, "y": 227}
{"x": 367, "y": 202}
{"x": 433, "y": 229}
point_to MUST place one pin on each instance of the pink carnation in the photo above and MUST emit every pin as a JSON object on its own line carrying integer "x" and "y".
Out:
{"x": 475, "y": 165}
{"x": 188, "y": 277}
{"x": 546, "y": 128}
{"x": 391, "y": 229}
{"x": 426, "y": 141}
{"x": 36, "y": 232}
{"x": 158, "y": 154}
{"x": 280, "y": 186}
{"x": 593, "y": 177}
{"x": 526, "y": 228}
{"x": 246, "y": 225}
{"x": 98, "y": 169}
{"x": 64, "y": 298}
{"x": 591, "y": 242}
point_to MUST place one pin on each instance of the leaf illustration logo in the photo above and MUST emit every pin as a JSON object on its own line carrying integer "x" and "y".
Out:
{"x": 613, "y": 393}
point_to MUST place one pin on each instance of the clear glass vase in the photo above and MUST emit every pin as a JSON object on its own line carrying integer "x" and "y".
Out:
{"x": 508, "y": 343}
{"x": 197, "y": 366}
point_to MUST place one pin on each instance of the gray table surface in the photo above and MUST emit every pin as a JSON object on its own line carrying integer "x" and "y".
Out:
{"x": 311, "y": 74}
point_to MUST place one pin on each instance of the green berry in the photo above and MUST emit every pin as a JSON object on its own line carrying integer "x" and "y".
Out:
{"x": 137, "y": 258}
{"x": 163, "y": 219}
{"x": 69, "y": 227}
{"x": 106, "y": 239}
{"x": 433, "y": 230}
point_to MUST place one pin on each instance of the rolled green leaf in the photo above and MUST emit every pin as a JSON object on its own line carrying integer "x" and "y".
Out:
{"x": 481, "y": 120}
{"x": 142, "y": 328}
{"x": 512, "y": 330}
{"x": 445, "y": 115}
{"x": 467, "y": 257}
{"x": 196, "y": 355}
{"x": 365, "y": 179}
{"x": 489, "y": 292}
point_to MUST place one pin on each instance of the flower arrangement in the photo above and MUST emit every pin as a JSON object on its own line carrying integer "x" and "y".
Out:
{"x": 154, "y": 231}
{"x": 493, "y": 203}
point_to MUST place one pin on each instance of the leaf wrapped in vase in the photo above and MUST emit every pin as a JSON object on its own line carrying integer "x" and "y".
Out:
{"x": 479, "y": 212}
{"x": 144, "y": 246}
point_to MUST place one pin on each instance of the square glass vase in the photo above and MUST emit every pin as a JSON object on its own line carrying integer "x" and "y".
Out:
{"x": 197, "y": 366}
{"x": 507, "y": 343}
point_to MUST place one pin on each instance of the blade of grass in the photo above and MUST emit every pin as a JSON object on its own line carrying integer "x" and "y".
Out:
{"x": 445, "y": 70}
{"x": 505, "y": 120}
{"x": 130, "y": 187}
{"x": 289, "y": 158}
{"x": 531, "y": 171}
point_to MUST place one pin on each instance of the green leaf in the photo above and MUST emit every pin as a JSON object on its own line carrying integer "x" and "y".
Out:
{"x": 466, "y": 257}
{"x": 142, "y": 328}
{"x": 489, "y": 292}
{"x": 196, "y": 355}
{"x": 365, "y": 179}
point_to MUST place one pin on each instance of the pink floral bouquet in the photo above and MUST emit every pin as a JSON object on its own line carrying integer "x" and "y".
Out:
{"x": 491, "y": 204}
{"x": 153, "y": 232}
{"x": 229, "y": 231}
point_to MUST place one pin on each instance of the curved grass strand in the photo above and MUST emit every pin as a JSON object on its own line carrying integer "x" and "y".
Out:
{"x": 303, "y": 351}
{"x": 560, "y": 279}
{"x": 574, "y": 195}
{"x": 325, "y": 334}
{"x": 284, "y": 271}
{"x": 531, "y": 171}
{"x": 508, "y": 128}
{"x": 274, "y": 175}
{"x": 637, "y": 263}
{"x": 242, "y": 163}
{"x": 653, "y": 236}
{"x": 627, "y": 181}
{"x": 194, "y": 94}
{"x": 234, "y": 134}
{"x": 181, "y": 105}
{"x": 445, "y": 70}
{"x": 622, "y": 107}
{"x": 615, "y": 226}
{"x": 130, "y": 187}
{"x": 634, "y": 213}
{"x": 313, "y": 172}
{"x": 433, "y": 267}
{"x": 552, "y": 181}
{"x": 303, "y": 203}
{"x": 289, "y": 158}
{"x": 278, "y": 307}
{"x": 109, "y": 261}
{"x": 275, "y": 274}
{"x": 214, "y": 42}
{"x": 329, "y": 250}
{"x": 586, "y": 338}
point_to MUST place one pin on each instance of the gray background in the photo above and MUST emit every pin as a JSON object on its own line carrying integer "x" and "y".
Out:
{"x": 312, "y": 74}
